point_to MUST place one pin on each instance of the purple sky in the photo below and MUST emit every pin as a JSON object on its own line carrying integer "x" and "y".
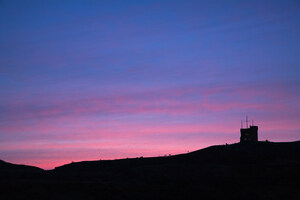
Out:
{"x": 89, "y": 80}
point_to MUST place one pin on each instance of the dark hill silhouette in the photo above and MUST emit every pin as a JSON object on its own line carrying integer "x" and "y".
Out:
{"x": 13, "y": 171}
{"x": 236, "y": 153}
{"x": 263, "y": 170}
{"x": 5, "y": 166}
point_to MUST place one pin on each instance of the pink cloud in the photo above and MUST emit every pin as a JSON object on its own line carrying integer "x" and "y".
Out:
{"x": 167, "y": 101}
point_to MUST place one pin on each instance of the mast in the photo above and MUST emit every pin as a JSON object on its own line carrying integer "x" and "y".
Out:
{"x": 247, "y": 121}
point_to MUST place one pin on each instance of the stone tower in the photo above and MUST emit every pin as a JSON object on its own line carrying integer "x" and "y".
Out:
{"x": 249, "y": 134}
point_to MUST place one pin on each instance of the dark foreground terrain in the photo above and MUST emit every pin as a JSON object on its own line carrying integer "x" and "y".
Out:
{"x": 263, "y": 170}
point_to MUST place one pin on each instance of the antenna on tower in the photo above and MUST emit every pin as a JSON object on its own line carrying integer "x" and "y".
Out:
{"x": 252, "y": 123}
{"x": 247, "y": 121}
{"x": 241, "y": 123}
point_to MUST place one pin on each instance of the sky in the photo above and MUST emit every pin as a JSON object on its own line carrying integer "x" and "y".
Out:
{"x": 91, "y": 80}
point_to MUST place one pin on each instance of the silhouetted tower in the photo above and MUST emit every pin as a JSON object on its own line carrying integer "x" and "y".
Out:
{"x": 248, "y": 134}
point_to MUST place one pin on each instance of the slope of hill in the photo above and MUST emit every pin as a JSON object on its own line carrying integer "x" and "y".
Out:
{"x": 6, "y": 167}
{"x": 9, "y": 171}
{"x": 263, "y": 170}
{"x": 260, "y": 152}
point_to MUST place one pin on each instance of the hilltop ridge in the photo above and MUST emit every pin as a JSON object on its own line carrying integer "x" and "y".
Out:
{"x": 232, "y": 153}
{"x": 262, "y": 170}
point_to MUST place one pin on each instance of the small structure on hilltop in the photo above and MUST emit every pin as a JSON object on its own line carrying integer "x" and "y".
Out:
{"x": 248, "y": 134}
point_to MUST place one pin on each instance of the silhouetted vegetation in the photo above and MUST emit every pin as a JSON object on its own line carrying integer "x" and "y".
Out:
{"x": 262, "y": 170}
